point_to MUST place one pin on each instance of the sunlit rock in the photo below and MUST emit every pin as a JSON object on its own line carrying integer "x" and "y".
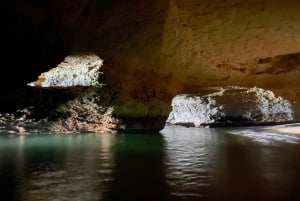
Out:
{"x": 85, "y": 113}
{"x": 189, "y": 109}
{"x": 229, "y": 105}
{"x": 266, "y": 106}
{"x": 68, "y": 110}
{"x": 80, "y": 69}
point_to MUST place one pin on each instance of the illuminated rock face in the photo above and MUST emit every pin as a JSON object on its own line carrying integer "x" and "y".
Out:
{"x": 81, "y": 69}
{"x": 62, "y": 110}
{"x": 229, "y": 105}
{"x": 194, "y": 110}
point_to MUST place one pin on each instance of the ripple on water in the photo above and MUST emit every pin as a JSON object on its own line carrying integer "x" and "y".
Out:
{"x": 265, "y": 135}
{"x": 190, "y": 161}
{"x": 181, "y": 164}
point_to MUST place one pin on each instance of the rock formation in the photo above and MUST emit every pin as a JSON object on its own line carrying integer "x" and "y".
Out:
{"x": 78, "y": 69}
{"x": 63, "y": 110}
{"x": 66, "y": 99}
{"x": 229, "y": 105}
{"x": 194, "y": 110}
{"x": 155, "y": 49}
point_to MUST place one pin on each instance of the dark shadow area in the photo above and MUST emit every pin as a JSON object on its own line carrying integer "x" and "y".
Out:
{"x": 36, "y": 39}
{"x": 35, "y": 45}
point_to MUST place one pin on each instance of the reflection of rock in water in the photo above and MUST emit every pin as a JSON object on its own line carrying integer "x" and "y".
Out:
{"x": 191, "y": 161}
{"x": 44, "y": 168}
{"x": 229, "y": 105}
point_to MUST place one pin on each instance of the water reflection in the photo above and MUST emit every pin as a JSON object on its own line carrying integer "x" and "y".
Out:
{"x": 256, "y": 171}
{"x": 139, "y": 173}
{"x": 191, "y": 160}
{"x": 180, "y": 164}
{"x": 57, "y": 167}
{"x": 212, "y": 164}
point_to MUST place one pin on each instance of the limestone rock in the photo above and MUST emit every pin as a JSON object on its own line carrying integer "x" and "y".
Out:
{"x": 65, "y": 110}
{"x": 229, "y": 105}
{"x": 80, "y": 69}
{"x": 266, "y": 106}
{"x": 85, "y": 113}
{"x": 189, "y": 109}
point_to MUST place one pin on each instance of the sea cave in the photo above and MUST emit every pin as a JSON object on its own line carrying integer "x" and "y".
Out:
{"x": 194, "y": 100}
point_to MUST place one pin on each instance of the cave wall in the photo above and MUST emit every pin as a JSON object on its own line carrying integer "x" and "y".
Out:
{"x": 155, "y": 49}
{"x": 244, "y": 43}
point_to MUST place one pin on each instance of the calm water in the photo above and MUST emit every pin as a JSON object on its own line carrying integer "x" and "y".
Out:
{"x": 184, "y": 164}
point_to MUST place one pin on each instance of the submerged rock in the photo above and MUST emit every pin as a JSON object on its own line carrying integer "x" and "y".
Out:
{"x": 229, "y": 105}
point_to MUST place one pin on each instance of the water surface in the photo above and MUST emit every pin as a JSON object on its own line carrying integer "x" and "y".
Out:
{"x": 184, "y": 164}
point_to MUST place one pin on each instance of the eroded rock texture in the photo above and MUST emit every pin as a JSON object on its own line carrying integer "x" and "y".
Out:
{"x": 63, "y": 110}
{"x": 155, "y": 49}
{"x": 229, "y": 105}
{"x": 78, "y": 69}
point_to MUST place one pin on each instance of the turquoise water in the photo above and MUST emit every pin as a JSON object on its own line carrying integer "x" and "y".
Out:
{"x": 184, "y": 164}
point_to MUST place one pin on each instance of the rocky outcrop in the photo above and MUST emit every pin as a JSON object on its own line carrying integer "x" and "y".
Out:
{"x": 194, "y": 110}
{"x": 229, "y": 105}
{"x": 67, "y": 110}
{"x": 85, "y": 113}
{"x": 78, "y": 69}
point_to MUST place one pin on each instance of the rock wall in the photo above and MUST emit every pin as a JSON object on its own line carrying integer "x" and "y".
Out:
{"x": 155, "y": 49}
